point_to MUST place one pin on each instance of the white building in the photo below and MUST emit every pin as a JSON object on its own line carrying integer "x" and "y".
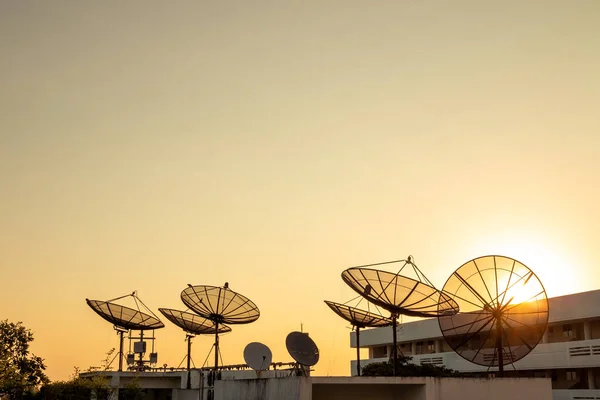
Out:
{"x": 569, "y": 352}
{"x": 281, "y": 385}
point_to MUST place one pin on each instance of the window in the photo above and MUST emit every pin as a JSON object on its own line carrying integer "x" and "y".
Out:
{"x": 568, "y": 331}
{"x": 445, "y": 347}
{"x": 406, "y": 348}
{"x": 419, "y": 347}
{"x": 431, "y": 346}
{"x": 595, "y": 329}
{"x": 380, "y": 352}
{"x": 572, "y": 376}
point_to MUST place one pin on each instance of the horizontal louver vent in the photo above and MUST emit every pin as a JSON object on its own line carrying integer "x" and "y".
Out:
{"x": 579, "y": 351}
{"x": 508, "y": 358}
{"x": 432, "y": 360}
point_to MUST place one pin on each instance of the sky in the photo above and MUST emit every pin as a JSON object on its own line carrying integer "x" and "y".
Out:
{"x": 145, "y": 145}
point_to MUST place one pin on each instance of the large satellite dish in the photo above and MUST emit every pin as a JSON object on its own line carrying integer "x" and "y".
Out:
{"x": 359, "y": 319}
{"x": 504, "y": 311}
{"x": 126, "y": 318}
{"x": 258, "y": 356}
{"x": 302, "y": 349}
{"x": 220, "y": 305}
{"x": 406, "y": 292}
{"x": 398, "y": 293}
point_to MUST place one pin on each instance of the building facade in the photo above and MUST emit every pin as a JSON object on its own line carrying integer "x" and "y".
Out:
{"x": 569, "y": 352}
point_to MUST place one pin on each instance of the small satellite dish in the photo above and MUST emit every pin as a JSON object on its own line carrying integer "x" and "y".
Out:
{"x": 302, "y": 349}
{"x": 258, "y": 356}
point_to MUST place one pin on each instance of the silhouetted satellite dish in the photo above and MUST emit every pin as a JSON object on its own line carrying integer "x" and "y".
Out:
{"x": 192, "y": 323}
{"x": 258, "y": 356}
{"x": 359, "y": 319}
{"x": 126, "y": 318}
{"x": 302, "y": 349}
{"x": 504, "y": 311}
{"x": 400, "y": 293}
{"x": 406, "y": 292}
{"x": 220, "y": 305}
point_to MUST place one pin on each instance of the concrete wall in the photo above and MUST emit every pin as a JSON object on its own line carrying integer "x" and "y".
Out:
{"x": 351, "y": 388}
{"x": 417, "y": 388}
{"x": 575, "y": 394}
{"x": 489, "y": 389}
{"x": 251, "y": 374}
{"x": 293, "y": 388}
{"x": 182, "y": 394}
{"x": 367, "y": 391}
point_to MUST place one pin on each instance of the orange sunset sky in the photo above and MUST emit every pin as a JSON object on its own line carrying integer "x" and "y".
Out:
{"x": 145, "y": 145}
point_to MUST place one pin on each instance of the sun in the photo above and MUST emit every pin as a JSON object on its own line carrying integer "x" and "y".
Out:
{"x": 517, "y": 290}
{"x": 546, "y": 259}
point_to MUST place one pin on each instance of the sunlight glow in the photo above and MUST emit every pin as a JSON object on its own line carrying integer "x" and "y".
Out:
{"x": 545, "y": 258}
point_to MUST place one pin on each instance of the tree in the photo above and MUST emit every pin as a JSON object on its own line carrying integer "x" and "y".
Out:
{"x": 405, "y": 368}
{"x": 20, "y": 371}
{"x": 77, "y": 388}
{"x": 95, "y": 386}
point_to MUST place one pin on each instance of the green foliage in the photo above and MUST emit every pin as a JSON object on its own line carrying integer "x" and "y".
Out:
{"x": 132, "y": 391}
{"x": 21, "y": 372}
{"x": 76, "y": 389}
{"x": 405, "y": 368}
{"x": 80, "y": 388}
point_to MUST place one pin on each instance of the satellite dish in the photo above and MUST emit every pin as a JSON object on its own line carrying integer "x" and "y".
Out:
{"x": 359, "y": 319}
{"x": 406, "y": 292}
{"x": 220, "y": 305}
{"x": 504, "y": 311}
{"x": 192, "y": 323}
{"x": 302, "y": 349}
{"x": 126, "y": 318}
{"x": 398, "y": 292}
{"x": 258, "y": 356}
